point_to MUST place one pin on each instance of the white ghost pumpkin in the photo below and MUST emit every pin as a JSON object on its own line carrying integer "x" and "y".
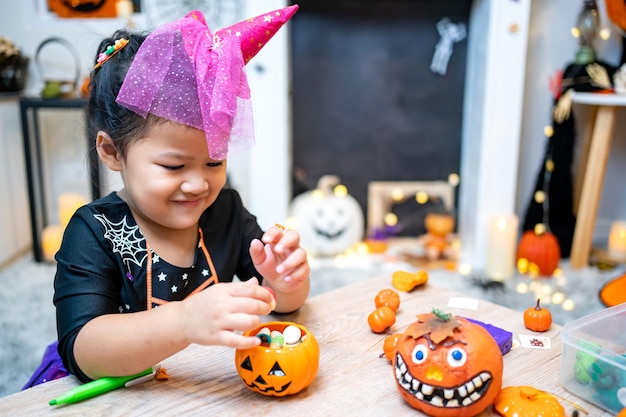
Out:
{"x": 328, "y": 219}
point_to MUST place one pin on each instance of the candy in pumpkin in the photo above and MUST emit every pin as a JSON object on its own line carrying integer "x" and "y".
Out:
{"x": 279, "y": 371}
{"x": 446, "y": 366}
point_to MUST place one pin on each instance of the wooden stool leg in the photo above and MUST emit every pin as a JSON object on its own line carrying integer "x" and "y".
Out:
{"x": 592, "y": 186}
{"x": 583, "y": 157}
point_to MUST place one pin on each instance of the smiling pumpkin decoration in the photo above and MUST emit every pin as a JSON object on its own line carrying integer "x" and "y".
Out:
{"x": 328, "y": 219}
{"x": 447, "y": 366}
{"x": 279, "y": 371}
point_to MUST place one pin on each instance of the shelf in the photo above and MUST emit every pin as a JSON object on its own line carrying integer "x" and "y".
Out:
{"x": 599, "y": 99}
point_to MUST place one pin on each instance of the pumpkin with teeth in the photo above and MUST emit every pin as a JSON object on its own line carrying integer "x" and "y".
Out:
{"x": 447, "y": 366}
{"x": 279, "y": 371}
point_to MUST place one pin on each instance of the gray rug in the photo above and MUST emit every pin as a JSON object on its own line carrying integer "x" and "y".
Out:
{"x": 27, "y": 316}
{"x": 27, "y": 320}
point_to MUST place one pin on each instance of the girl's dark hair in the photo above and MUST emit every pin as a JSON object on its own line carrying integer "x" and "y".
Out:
{"x": 103, "y": 113}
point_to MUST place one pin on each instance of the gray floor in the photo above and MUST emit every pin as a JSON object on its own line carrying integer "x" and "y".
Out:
{"x": 27, "y": 323}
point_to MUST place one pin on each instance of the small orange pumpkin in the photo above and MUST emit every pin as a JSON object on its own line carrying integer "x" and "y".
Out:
{"x": 537, "y": 318}
{"x": 438, "y": 357}
{"x": 527, "y": 401}
{"x": 387, "y": 297}
{"x": 389, "y": 346}
{"x": 279, "y": 371}
{"x": 381, "y": 319}
{"x": 439, "y": 224}
{"x": 540, "y": 247}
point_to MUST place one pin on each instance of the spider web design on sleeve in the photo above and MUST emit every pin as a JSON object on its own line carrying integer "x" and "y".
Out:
{"x": 126, "y": 240}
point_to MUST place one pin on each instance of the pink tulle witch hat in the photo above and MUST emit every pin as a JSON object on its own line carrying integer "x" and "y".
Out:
{"x": 184, "y": 73}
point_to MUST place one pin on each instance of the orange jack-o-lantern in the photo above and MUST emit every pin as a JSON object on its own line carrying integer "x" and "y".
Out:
{"x": 541, "y": 248}
{"x": 447, "y": 366}
{"x": 279, "y": 371}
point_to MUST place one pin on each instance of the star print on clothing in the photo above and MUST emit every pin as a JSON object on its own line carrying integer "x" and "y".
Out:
{"x": 205, "y": 272}
{"x": 125, "y": 240}
{"x": 185, "y": 276}
{"x": 174, "y": 288}
{"x": 162, "y": 276}
{"x": 155, "y": 258}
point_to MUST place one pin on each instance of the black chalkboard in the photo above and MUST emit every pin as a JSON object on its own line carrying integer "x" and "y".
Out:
{"x": 366, "y": 104}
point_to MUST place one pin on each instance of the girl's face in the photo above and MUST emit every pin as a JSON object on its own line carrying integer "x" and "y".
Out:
{"x": 169, "y": 179}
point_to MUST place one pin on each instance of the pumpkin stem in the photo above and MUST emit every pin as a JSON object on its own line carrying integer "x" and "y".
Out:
{"x": 538, "y": 307}
{"x": 441, "y": 315}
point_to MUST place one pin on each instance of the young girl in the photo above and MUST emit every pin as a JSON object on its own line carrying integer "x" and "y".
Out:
{"x": 146, "y": 271}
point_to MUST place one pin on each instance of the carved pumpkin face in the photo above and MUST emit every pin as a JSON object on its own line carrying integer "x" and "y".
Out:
{"x": 279, "y": 371}
{"x": 328, "y": 223}
{"x": 447, "y": 366}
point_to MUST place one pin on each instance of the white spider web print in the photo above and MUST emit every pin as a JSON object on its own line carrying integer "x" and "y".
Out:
{"x": 125, "y": 240}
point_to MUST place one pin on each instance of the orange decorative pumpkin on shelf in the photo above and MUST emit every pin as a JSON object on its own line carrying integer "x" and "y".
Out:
{"x": 279, "y": 371}
{"x": 438, "y": 357}
{"x": 540, "y": 247}
{"x": 537, "y": 318}
{"x": 389, "y": 298}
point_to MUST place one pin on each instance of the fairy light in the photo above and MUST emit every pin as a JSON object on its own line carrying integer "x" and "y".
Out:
{"x": 568, "y": 305}
{"x": 454, "y": 179}
{"x": 340, "y": 191}
{"x": 540, "y": 196}
{"x": 605, "y": 34}
{"x": 548, "y": 131}
{"x": 397, "y": 194}
{"x": 465, "y": 269}
{"x": 390, "y": 219}
{"x": 421, "y": 197}
{"x": 558, "y": 297}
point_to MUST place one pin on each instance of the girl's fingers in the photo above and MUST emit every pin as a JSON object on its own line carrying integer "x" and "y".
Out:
{"x": 296, "y": 259}
{"x": 238, "y": 341}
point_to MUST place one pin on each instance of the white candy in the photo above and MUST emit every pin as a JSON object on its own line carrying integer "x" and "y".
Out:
{"x": 292, "y": 335}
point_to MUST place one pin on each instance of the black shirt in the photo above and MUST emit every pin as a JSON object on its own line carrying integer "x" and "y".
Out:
{"x": 102, "y": 265}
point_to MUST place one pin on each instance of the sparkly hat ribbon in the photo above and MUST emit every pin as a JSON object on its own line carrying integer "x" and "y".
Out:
{"x": 184, "y": 73}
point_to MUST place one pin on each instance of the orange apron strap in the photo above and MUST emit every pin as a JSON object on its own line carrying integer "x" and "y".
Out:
{"x": 211, "y": 280}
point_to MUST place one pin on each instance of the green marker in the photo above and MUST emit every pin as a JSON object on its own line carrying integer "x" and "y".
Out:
{"x": 103, "y": 385}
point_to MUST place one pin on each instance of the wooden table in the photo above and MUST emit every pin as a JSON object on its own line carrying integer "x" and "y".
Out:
{"x": 591, "y": 169}
{"x": 352, "y": 379}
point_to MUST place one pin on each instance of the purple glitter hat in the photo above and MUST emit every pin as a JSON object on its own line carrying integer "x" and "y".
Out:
{"x": 184, "y": 73}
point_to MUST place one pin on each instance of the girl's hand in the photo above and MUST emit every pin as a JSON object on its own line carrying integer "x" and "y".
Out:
{"x": 284, "y": 266}
{"x": 215, "y": 315}
{"x": 280, "y": 259}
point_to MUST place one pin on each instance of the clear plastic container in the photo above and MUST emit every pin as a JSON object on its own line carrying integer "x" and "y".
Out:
{"x": 593, "y": 365}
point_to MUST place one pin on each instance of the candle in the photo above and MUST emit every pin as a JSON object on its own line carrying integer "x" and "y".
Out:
{"x": 68, "y": 204}
{"x": 51, "y": 237}
{"x": 501, "y": 246}
{"x": 124, "y": 8}
{"x": 617, "y": 239}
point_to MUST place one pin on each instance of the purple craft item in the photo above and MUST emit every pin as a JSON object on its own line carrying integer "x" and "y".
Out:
{"x": 503, "y": 338}
{"x": 184, "y": 73}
